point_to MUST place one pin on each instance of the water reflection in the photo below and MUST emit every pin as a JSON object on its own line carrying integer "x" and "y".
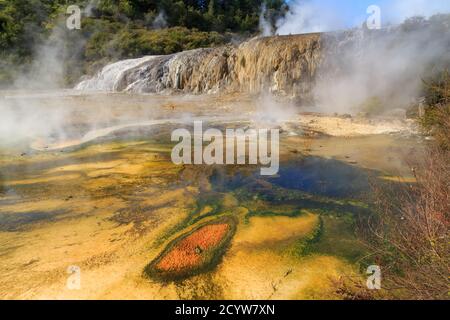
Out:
{"x": 315, "y": 175}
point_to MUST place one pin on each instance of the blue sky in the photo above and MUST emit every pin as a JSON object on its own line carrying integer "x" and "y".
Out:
{"x": 353, "y": 12}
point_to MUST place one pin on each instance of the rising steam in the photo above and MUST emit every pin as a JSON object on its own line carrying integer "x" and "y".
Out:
{"x": 160, "y": 21}
{"x": 306, "y": 16}
{"x": 383, "y": 68}
{"x": 264, "y": 24}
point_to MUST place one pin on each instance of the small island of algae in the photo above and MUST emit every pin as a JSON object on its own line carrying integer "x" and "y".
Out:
{"x": 193, "y": 253}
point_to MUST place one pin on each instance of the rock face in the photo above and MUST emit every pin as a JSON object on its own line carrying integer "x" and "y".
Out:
{"x": 285, "y": 65}
{"x": 344, "y": 71}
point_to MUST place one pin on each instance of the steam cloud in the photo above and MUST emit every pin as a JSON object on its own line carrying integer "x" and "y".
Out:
{"x": 359, "y": 65}
{"x": 264, "y": 24}
{"x": 385, "y": 66}
{"x": 306, "y": 16}
{"x": 380, "y": 70}
{"x": 160, "y": 21}
{"x": 47, "y": 68}
{"x": 90, "y": 7}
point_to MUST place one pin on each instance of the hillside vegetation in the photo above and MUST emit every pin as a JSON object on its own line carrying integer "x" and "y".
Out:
{"x": 118, "y": 29}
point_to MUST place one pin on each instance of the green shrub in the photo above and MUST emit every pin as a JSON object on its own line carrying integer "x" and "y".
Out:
{"x": 118, "y": 29}
{"x": 436, "y": 120}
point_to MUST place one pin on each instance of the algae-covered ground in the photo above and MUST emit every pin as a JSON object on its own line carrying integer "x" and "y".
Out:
{"x": 140, "y": 227}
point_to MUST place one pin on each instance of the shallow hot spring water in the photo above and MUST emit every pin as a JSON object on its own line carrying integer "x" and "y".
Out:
{"x": 120, "y": 210}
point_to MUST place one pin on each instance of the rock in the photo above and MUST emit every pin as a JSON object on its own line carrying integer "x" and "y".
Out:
{"x": 198, "y": 250}
{"x": 282, "y": 65}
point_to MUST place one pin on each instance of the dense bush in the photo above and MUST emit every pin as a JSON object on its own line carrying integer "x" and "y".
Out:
{"x": 409, "y": 234}
{"x": 116, "y": 29}
{"x": 204, "y": 15}
{"x": 436, "y": 120}
{"x": 110, "y": 41}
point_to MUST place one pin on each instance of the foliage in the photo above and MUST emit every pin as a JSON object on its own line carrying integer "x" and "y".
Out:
{"x": 436, "y": 119}
{"x": 204, "y": 15}
{"x": 116, "y": 29}
{"x": 409, "y": 235}
{"x": 111, "y": 41}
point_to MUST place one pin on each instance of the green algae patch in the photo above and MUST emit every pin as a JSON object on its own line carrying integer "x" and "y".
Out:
{"x": 336, "y": 237}
{"x": 193, "y": 253}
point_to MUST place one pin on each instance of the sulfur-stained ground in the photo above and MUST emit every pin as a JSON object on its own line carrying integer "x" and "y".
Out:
{"x": 112, "y": 205}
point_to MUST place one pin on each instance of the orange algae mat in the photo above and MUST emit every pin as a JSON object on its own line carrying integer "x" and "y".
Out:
{"x": 188, "y": 253}
{"x": 193, "y": 253}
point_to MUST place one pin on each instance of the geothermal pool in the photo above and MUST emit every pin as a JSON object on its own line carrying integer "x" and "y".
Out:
{"x": 88, "y": 181}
